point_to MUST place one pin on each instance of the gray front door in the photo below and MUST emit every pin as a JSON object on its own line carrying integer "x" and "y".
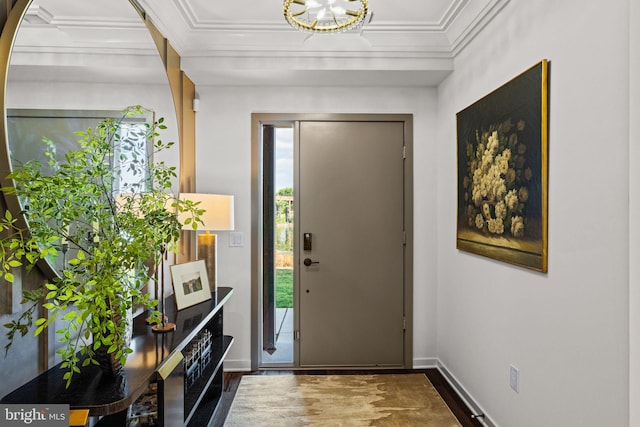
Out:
{"x": 351, "y": 210}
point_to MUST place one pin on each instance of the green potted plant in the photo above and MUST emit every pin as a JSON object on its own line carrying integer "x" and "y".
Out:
{"x": 110, "y": 233}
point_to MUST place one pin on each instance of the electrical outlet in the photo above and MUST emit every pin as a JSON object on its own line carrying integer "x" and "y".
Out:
{"x": 514, "y": 378}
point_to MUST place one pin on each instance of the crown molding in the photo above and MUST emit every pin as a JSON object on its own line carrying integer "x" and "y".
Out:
{"x": 206, "y": 41}
{"x": 193, "y": 34}
{"x": 464, "y": 36}
{"x": 195, "y": 23}
{"x": 37, "y": 15}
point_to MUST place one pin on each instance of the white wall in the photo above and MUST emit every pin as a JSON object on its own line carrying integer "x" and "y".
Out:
{"x": 567, "y": 331}
{"x": 634, "y": 252}
{"x": 224, "y": 165}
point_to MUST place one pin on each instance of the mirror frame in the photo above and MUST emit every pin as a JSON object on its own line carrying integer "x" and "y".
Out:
{"x": 182, "y": 90}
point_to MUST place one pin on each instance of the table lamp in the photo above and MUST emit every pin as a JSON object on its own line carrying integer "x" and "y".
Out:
{"x": 218, "y": 216}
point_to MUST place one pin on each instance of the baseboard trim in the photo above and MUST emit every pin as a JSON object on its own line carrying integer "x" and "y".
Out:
{"x": 465, "y": 396}
{"x": 237, "y": 365}
{"x": 425, "y": 363}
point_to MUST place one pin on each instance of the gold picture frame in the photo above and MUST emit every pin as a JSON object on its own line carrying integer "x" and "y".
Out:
{"x": 502, "y": 143}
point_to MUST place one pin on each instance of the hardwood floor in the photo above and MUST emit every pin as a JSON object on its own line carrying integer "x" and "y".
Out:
{"x": 457, "y": 406}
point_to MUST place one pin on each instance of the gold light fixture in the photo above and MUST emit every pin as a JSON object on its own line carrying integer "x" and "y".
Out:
{"x": 325, "y": 16}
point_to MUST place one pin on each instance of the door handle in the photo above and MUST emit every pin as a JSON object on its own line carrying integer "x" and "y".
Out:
{"x": 308, "y": 262}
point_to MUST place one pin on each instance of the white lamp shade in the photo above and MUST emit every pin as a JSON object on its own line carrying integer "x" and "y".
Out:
{"x": 218, "y": 215}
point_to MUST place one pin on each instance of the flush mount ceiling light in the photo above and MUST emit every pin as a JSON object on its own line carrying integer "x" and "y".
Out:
{"x": 325, "y": 16}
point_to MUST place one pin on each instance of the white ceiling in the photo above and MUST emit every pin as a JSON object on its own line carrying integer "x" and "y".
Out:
{"x": 407, "y": 43}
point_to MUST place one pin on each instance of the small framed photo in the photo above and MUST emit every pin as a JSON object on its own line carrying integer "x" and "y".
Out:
{"x": 190, "y": 283}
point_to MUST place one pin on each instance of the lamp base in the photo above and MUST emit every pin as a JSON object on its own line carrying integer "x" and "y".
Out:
{"x": 207, "y": 250}
{"x": 161, "y": 329}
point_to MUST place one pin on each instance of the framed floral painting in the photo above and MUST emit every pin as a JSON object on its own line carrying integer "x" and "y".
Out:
{"x": 502, "y": 172}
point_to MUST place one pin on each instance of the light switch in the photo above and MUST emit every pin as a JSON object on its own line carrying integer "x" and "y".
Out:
{"x": 236, "y": 239}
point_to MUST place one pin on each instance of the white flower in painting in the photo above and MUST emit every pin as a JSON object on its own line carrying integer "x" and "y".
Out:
{"x": 486, "y": 211}
{"x": 500, "y": 189}
{"x": 477, "y": 195}
{"x": 496, "y": 183}
{"x": 487, "y": 160}
{"x": 496, "y": 226}
{"x": 517, "y": 226}
{"x": 477, "y": 187}
{"x": 511, "y": 199}
{"x": 503, "y": 164}
{"x": 489, "y": 153}
{"x": 492, "y": 145}
{"x": 493, "y": 185}
{"x": 501, "y": 210}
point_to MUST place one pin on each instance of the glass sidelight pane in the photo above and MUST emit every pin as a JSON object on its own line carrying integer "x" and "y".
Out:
{"x": 268, "y": 215}
{"x": 278, "y": 218}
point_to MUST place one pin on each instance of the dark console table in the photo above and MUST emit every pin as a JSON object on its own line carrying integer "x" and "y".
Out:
{"x": 187, "y": 380}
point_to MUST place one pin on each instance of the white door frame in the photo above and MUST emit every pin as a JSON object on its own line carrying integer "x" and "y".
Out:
{"x": 257, "y": 120}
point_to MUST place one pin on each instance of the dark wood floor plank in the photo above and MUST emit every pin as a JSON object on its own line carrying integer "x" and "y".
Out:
{"x": 457, "y": 406}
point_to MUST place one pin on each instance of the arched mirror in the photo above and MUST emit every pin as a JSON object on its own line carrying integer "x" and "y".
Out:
{"x": 71, "y": 65}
